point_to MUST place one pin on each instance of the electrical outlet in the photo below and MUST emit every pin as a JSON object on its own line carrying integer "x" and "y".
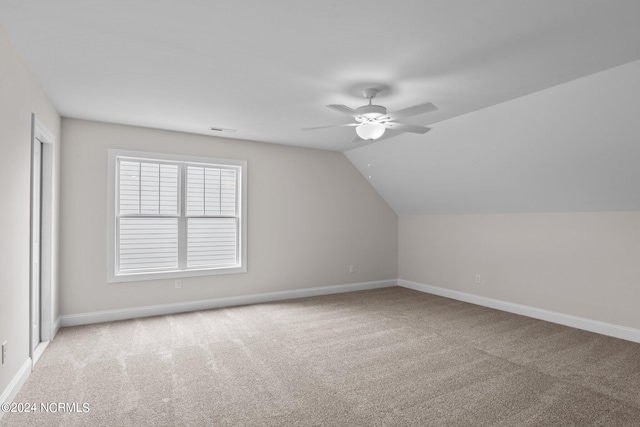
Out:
{"x": 4, "y": 352}
{"x": 178, "y": 284}
{"x": 352, "y": 269}
{"x": 478, "y": 279}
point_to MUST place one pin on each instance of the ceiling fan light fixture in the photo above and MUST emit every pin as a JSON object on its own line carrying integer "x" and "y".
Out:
{"x": 371, "y": 121}
{"x": 370, "y": 131}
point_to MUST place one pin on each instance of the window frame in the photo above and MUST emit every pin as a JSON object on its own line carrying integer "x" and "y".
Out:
{"x": 183, "y": 161}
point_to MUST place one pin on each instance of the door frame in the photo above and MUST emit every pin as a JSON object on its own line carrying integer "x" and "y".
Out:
{"x": 42, "y": 136}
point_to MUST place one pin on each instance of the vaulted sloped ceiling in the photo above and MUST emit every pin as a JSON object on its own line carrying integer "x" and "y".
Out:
{"x": 573, "y": 147}
{"x": 268, "y": 69}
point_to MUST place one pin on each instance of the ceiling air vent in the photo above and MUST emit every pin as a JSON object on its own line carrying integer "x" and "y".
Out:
{"x": 217, "y": 129}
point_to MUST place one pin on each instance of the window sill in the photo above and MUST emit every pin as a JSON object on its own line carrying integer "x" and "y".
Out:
{"x": 175, "y": 274}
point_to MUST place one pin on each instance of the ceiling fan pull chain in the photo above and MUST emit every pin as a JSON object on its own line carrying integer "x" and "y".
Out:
{"x": 369, "y": 164}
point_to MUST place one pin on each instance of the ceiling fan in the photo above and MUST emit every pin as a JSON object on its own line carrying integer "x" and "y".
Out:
{"x": 372, "y": 121}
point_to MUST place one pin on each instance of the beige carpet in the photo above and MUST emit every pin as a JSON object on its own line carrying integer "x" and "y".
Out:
{"x": 375, "y": 358}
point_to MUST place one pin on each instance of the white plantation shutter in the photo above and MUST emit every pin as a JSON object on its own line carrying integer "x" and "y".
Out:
{"x": 211, "y": 191}
{"x": 173, "y": 216}
{"x": 148, "y": 188}
{"x": 228, "y": 193}
{"x": 211, "y": 211}
{"x": 211, "y": 241}
{"x": 148, "y": 236}
{"x": 148, "y": 243}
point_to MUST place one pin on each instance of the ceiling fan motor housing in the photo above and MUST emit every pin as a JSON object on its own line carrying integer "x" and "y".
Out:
{"x": 372, "y": 112}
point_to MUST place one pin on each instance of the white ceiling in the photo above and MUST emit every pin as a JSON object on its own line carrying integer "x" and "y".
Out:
{"x": 269, "y": 68}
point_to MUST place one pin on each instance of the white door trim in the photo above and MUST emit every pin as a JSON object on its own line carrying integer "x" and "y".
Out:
{"x": 46, "y": 140}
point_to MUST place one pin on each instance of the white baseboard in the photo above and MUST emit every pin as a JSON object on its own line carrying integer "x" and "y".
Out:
{"x": 158, "y": 310}
{"x": 16, "y": 384}
{"x": 56, "y": 328}
{"x": 37, "y": 352}
{"x": 596, "y": 326}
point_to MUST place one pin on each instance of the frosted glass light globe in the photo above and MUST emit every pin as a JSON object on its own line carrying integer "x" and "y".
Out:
{"x": 370, "y": 131}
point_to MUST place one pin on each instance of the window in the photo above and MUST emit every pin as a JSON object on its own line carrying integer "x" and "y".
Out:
{"x": 175, "y": 216}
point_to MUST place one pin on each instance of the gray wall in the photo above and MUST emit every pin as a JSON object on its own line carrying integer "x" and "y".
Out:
{"x": 559, "y": 194}
{"x": 310, "y": 216}
{"x": 20, "y": 96}
{"x": 582, "y": 264}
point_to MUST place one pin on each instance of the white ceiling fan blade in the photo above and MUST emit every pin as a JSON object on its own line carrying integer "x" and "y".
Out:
{"x": 404, "y": 127}
{"x": 412, "y": 111}
{"x": 344, "y": 109}
{"x": 331, "y": 126}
